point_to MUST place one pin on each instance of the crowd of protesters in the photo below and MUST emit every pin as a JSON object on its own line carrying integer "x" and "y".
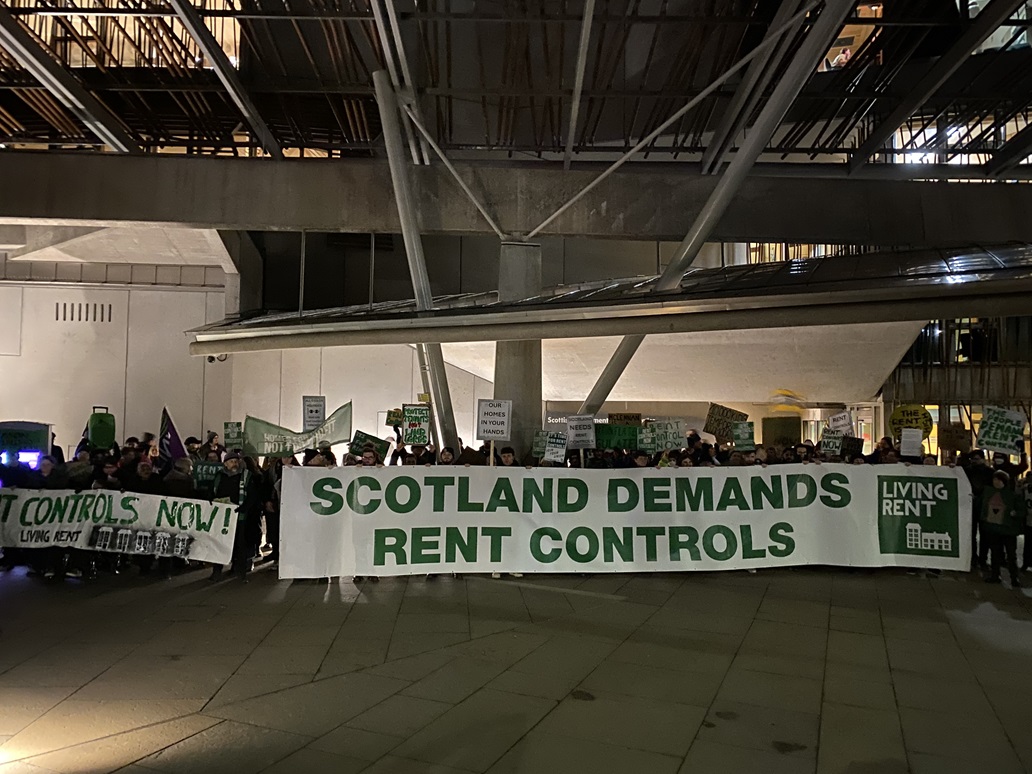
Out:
{"x": 1002, "y": 500}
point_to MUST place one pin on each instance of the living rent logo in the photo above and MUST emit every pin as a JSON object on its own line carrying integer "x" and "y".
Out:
{"x": 918, "y": 516}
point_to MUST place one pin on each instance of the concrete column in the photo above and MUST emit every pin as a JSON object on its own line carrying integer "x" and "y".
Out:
{"x": 517, "y": 375}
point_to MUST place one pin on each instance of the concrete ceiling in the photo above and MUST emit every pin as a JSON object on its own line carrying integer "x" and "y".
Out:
{"x": 153, "y": 246}
{"x": 828, "y": 363}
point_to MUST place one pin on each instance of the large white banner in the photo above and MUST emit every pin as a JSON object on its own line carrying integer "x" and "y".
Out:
{"x": 121, "y": 522}
{"x": 405, "y": 521}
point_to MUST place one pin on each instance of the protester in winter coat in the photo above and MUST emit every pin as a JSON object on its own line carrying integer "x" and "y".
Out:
{"x": 1003, "y": 513}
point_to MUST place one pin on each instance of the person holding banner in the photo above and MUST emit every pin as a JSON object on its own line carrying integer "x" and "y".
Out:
{"x": 235, "y": 484}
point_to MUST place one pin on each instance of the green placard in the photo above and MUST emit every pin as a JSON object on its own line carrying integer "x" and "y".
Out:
{"x": 782, "y": 431}
{"x": 395, "y": 417}
{"x": 743, "y": 435}
{"x": 361, "y": 440}
{"x": 233, "y": 435}
{"x": 416, "y": 426}
{"x": 540, "y": 442}
{"x": 616, "y": 437}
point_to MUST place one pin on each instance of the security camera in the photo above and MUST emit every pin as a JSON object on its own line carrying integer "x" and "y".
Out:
{"x": 211, "y": 358}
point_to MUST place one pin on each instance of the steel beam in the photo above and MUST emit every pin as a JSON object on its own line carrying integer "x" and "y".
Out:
{"x": 59, "y": 82}
{"x": 750, "y": 90}
{"x": 390, "y": 120}
{"x": 227, "y": 74}
{"x": 1014, "y": 151}
{"x": 805, "y": 60}
{"x": 987, "y": 21}
{"x": 578, "y": 79}
{"x": 1002, "y": 298}
{"x": 642, "y": 201}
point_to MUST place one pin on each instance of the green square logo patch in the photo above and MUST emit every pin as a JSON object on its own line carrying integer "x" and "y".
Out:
{"x": 918, "y": 515}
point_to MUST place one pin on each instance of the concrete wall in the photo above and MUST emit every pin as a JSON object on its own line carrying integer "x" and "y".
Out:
{"x": 270, "y": 385}
{"x": 64, "y": 349}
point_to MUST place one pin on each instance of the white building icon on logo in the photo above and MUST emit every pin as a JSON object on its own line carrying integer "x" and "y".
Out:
{"x": 927, "y": 541}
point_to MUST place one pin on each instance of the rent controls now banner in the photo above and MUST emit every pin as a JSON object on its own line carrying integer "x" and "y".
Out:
{"x": 118, "y": 521}
{"x": 361, "y": 521}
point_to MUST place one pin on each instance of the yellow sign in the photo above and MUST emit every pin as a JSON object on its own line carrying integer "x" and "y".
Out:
{"x": 424, "y": 397}
{"x": 910, "y": 416}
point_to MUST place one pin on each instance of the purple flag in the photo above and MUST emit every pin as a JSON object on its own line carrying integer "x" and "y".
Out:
{"x": 170, "y": 445}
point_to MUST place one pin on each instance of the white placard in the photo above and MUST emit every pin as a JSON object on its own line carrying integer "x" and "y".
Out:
{"x": 580, "y": 431}
{"x": 555, "y": 448}
{"x": 910, "y": 442}
{"x": 841, "y": 423}
{"x": 314, "y": 411}
{"x": 493, "y": 418}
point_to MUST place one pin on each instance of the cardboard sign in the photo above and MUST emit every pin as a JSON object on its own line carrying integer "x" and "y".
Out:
{"x": 633, "y": 420}
{"x": 580, "y": 431}
{"x": 313, "y": 409}
{"x": 954, "y": 437}
{"x": 416, "y": 424}
{"x": 720, "y": 421}
{"x": 361, "y": 440}
{"x": 910, "y": 416}
{"x": 841, "y": 422}
{"x": 742, "y": 435}
{"x": 669, "y": 433}
{"x": 395, "y": 417}
{"x": 852, "y": 447}
{"x": 555, "y": 448}
{"x": 1001, "y": 430}
{"x": 831, "y": 442}
{"x": 233, "y": 435}
{"x": 493, "y": 419}
{"x": 910, "y": 443}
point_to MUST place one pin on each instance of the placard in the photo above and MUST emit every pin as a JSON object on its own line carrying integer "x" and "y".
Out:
{"x": 233, "y": 435}
{"x": 1001, "y": 430}
{"x": 720, "y": 421}
{"x": 555, "y": 448}
{"x": 313, "y": 408}
{"x": 954, "y": 437}
{"x": 395, "y": 417}
{"x": 841, "y": 422}
{"x": 910, "y": 416}
{"x": 631, "y": 419}
{"x": 782, "y": 431}
{"x": 423, "y": 397}
{"x": 540, "y": 443}
{"x": 580, "y": 431}
{"x": 743, "y": 436}
{"x": 669, "y": 433}
{"x": 831, "y": 442}
{"x": 910, "y": 442}
{"x": 617, "y": 436}
{"x": 416, "y": 424}
{"x": 361, "y": 440}
{"x": 204, "y": 475}
{"x": 493, "y": 419}
{"x": 648, "y": 440}
{"x": 852, "y": 447}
